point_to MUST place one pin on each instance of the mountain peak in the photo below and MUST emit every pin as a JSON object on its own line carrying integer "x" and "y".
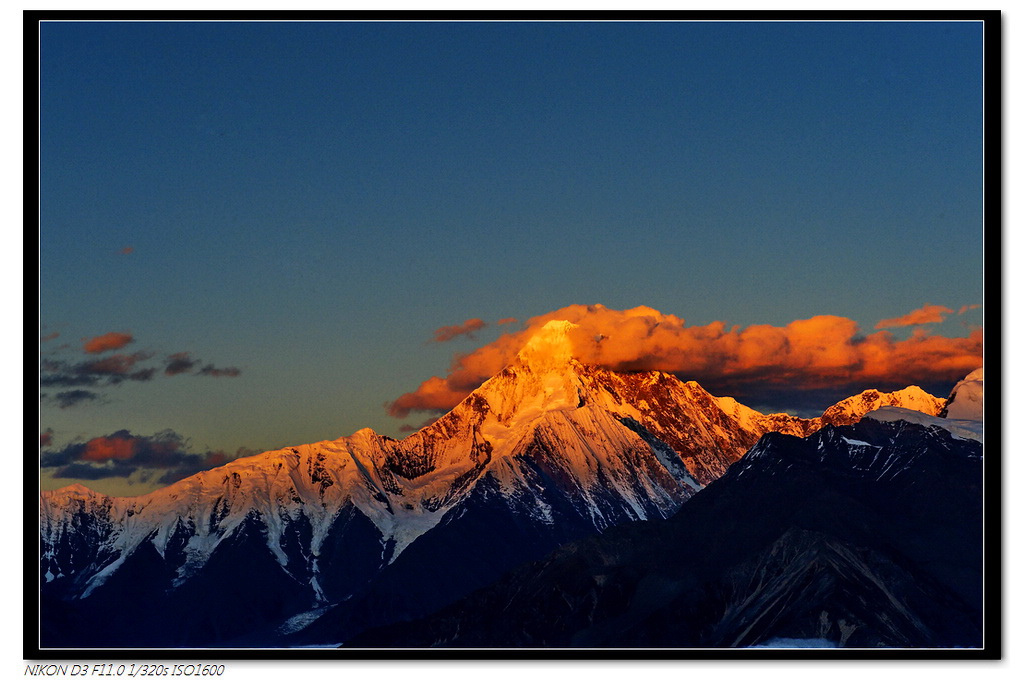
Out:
{"x": 75, "y": 490}
{"x": 852, "y": 409}
{"x": 550, "y": 347}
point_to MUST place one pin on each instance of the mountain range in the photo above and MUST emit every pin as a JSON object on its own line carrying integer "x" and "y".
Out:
{"x": 356, "y": 540}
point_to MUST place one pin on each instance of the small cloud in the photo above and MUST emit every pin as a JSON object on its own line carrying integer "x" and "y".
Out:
{"x": 927, "y": 314}
{"x": 127, "y": 250}
{"x": 74, "y": 397}
{"x": 107, "y": 342}
{"x": 50, "y": 336}
{"x": 467, "y": 327}
{"x": 967, "y": 308}
{"x": 209, "y": 370}
{"x": 115, "y": 364}
{"x": 511, "y": 319}
{"x": 180, "y": 362}
{"x": 46, "y": 437}
{"x": 434, "y": 394}
{"x": 59, "y": 374}
{"x": 142, "y": 375}
{"x": 245, "y": 452}
{"x": 118, "y": 367}
{"x": 416, "y": 428}
{"x": 111, "y": 370}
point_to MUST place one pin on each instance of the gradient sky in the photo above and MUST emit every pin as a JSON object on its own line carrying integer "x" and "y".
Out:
{"x": 306, "y": 204}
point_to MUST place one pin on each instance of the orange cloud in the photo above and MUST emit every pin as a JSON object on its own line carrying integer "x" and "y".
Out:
{"x": 108, "y": 448}
{"x": 467, "y": 327}
{"x": 106, "y": 342}
{"x": 511, "y": 319}
{"x": 127, "y": 250}
{"x": 927, "y": 314}
{"x": 808, "y": 354}
{"x": 966, "y": 308}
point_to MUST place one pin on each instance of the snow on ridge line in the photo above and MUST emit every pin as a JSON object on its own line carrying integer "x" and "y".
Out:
{"x": 75, "y": 489}
{"x": 961, "y": 429}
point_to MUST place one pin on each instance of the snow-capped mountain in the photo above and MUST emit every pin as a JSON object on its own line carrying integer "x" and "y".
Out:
{"x": 548, "y": 450}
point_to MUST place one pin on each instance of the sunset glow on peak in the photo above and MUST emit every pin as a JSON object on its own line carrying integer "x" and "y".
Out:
{"x": 823, "y": 351}
{"x": 551, "y": 345}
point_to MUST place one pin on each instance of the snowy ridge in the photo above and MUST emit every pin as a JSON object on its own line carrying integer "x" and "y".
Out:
{"x": 959, "y": 428}
{"x": 851, "y": 410}
{"x": 845, "y": 412}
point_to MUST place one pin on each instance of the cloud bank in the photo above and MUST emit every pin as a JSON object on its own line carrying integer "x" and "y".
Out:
{"x": 122, "y": 454}
{"x": 824, "y": 355}
{"x": 114, "y": 369}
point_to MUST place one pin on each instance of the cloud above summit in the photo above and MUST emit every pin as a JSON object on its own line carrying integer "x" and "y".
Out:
{"x": 820, "y": 353}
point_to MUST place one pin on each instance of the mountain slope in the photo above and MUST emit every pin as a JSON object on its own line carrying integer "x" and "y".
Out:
{"x": 864, "y": 535}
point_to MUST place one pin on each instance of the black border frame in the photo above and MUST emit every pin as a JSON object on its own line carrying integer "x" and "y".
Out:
{"x": 993, "y": 310}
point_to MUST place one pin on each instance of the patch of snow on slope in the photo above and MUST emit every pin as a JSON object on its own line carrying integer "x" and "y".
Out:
{"x": 300, "y": 621}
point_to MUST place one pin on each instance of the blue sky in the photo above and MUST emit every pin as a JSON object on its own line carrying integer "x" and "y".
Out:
{"x": 307, "y": 203}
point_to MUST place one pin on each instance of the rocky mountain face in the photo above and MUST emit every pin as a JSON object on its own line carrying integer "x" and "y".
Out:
{"x": 862, "y": 535}
{"x": 314, "y": 543}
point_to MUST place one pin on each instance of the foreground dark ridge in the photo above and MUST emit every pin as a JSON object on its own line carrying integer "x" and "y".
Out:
{"x": 862, "y": 536}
